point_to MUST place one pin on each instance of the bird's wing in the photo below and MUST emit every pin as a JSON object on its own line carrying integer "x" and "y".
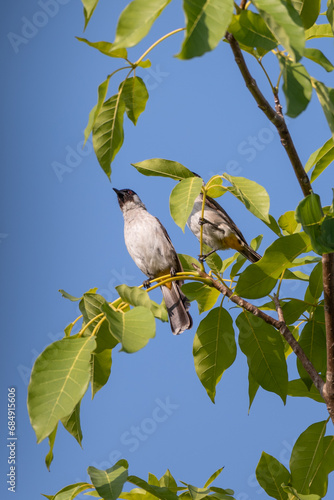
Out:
{"x": 177, "y": 260}
{"x": 227, "y": 219}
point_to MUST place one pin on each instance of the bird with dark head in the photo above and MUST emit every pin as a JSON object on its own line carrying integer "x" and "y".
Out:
{"x": 219, "y": 230}
{"x": 151, "y": 249}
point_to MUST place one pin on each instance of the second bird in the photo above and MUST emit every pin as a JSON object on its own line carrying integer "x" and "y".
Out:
{"x": 151, "y": 249}
{"x": 219, "y": 230}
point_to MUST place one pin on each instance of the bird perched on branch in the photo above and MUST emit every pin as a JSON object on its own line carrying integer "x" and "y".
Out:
{"x": 151, "y": 249}
{"x": 219, "y": 230}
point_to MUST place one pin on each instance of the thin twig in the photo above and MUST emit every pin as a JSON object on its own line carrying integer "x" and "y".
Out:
{"x": 275, "y": 117}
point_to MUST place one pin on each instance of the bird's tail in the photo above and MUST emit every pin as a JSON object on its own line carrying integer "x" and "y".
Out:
{"x": 177, "y": 307}
{"x": 250, "y": 254}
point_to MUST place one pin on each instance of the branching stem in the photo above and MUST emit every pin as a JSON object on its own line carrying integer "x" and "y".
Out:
{"x": 275, "y": 117}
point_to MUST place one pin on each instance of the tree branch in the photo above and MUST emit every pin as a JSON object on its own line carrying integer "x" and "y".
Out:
{"x": 328, "y": 281}
{"x": 280, "y": 325}
{"x": 275, "y": 117}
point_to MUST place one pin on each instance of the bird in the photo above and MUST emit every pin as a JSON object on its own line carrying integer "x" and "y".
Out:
{"x": 219, "y": 230}
{"x": 150, "y": 247}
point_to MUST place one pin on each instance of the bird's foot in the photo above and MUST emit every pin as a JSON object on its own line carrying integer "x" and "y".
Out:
{"x": 202, "y": 221}
{"x": 172, "y": 272}
{"x": 202, "y": 258}
{"x": 146, "y": 284}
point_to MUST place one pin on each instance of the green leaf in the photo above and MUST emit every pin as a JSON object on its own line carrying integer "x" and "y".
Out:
{"x": 182, "y": 199}
{"x": 288, "y": 222}
{"x": 297, "y": 388}
{"x": 284, "y": 22}
{"x": 297, "y": 86}
{"x": 214, "y": 348}
{"x": 316, "y": 285}
{"x": 197, "y": 493}
{"x": 206, "y": 22}
{"x": 162, "y": 493}
{"x": 213, "y": 477}
{"x": 68, "y": 296}
{"x": 187, "y": 261}
{"x": 293, "y": 494}
{"x": 168, "y": 481}
{"x": 133, "y": 329}
{"x": 94, "y": 112}
{"x": 222, "y": 494}
{"x": 318, "y": 57}
{"x": 145, "y": 64}
{"x": 72, "y": 423}
{"x": 59, "y": 379}
{"x": 89, "y": 7}
{"x": 108, "y": 132}
{"x": 206, "y": 296}
{"x": 308, "y": 10}
{"x": 319, "y": 482}
{"x": 250, "y": 29}
{"x": 135, "y": 96}
{"x": 136, "y": 21}
{"x": 253, "y": 387}
{"x": 163, "y": 168}
{"x": 49, "y": 456}
{"x": 320, "y": 159}
{"x": 330, "y": 13}
{"x": 237, "y": 266}
{"x": 214, "y": 262}
{"x": 270, "y": 474}
{"x": 105, "y": 48}
{"x": 319, "y": 31}
{"x": 264, "y": 349}
{"x": 251, "y": 194}
{"x": 320, "y": 230}
{"x": 273, "y": 225}
{"x": 139, "y": 297}
{"x": 292, "y": 310}
{"x": 214, "y": 187}
{"x": 109, "y": 483}
{"x": 258, "y": 279}
{"x": 101, "y": 367}
{"x": 91, "y": 307}
{"x": 70, "y": 491}
{"x": 313, "y": 342}
{"x": 306, "y": 456}
{"x": 326, "y": 99}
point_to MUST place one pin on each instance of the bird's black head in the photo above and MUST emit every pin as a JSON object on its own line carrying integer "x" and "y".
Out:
{"x": 126, "y": 195}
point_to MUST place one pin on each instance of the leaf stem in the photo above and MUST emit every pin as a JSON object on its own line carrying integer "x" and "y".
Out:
{"x": 157, "y": 43}
{"x": 268, "y": 78}
{"x": 89, "y": 323}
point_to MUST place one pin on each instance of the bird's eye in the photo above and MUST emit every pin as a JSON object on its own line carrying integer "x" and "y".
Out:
{"x": 130, "y": 192}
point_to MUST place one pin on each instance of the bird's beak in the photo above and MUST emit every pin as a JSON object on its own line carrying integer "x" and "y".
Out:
{"x": 116, "y": 191}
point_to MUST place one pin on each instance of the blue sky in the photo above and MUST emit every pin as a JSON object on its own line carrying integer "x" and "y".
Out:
{"x": 66, "y": 231}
